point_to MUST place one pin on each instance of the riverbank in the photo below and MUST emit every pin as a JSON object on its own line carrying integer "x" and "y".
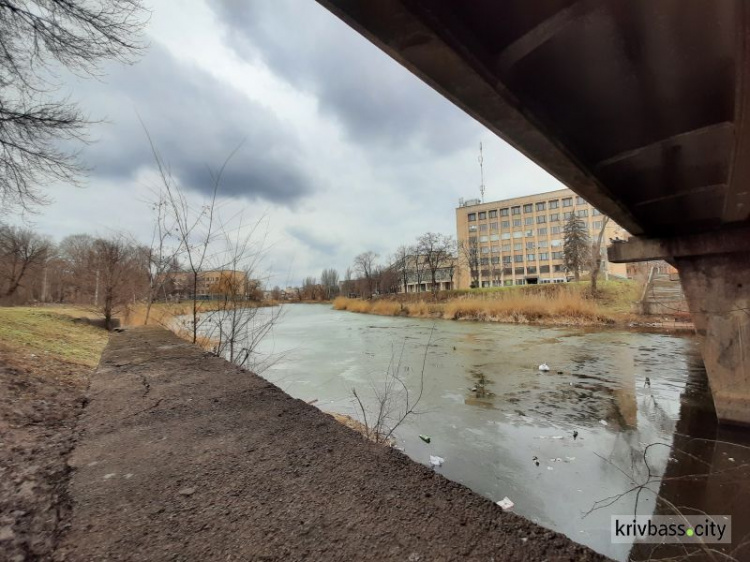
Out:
{"x": 46, "y": 358}
{"x": 299, "y": 485}
{"x": 569, "y": 304}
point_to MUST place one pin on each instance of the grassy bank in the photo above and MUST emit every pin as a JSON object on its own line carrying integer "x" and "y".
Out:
{"x": 52, "y": 333}
{"x": 568, "y": 304}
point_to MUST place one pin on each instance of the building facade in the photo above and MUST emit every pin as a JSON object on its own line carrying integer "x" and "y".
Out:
{"x": 519, "y": 241}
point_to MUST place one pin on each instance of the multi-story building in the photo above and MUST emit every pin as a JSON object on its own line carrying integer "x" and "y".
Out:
{"x": 519, "y": 241}
{"x": 212, "y": 284}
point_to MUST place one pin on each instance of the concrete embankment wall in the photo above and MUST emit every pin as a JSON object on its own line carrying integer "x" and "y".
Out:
{"x": 182, "y": 456}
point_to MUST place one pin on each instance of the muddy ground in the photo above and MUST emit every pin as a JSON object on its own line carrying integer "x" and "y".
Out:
{"x": 183, "y": 457}
{"x": 40, "y": 400}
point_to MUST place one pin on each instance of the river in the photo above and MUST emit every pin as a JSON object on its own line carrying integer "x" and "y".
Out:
{"x": 555, "y": 443}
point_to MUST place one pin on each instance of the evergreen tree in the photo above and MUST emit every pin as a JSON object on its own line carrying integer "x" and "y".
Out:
{"x": 577, "y": 247}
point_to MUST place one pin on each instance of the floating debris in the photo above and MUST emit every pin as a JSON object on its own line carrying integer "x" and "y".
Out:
{"x": 505, "y": 503}
{"x": 575, "y": 435}
{"x": 436, "y": 461}
{"x": 544, "y": 367}
{"x": 603, "y": 422}
{"x": 425, "y": 438}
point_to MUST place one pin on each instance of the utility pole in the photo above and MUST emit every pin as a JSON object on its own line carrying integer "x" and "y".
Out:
{"x": 96, "y": 290}
{"x": 481, "y": 171}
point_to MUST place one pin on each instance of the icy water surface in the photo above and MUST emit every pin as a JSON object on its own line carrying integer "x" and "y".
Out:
{"x": 555, "y": 443}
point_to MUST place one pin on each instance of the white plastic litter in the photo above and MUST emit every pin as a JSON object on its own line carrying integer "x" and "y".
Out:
{"x": 603, "y": 422}
{"x": 436, "y": 461}
{"x": 544, "y": 367}
{"x": 505, "y": 503}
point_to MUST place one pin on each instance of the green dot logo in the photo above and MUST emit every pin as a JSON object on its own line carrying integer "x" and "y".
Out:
{"x": 690, "y": 533}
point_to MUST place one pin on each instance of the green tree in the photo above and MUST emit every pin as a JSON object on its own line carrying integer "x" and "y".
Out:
{"x": 576, "y": 249}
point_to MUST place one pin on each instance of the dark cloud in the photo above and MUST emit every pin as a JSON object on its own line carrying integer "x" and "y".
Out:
{"x": 376, "y": 99}
{"x": 313, "y": 240}
{"x": 196, "y": 121}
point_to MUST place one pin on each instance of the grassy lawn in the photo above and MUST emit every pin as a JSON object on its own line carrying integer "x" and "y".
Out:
{"x": 52, "y": 333}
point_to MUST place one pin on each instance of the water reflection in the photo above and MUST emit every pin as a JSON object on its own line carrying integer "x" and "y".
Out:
{"x": 557, "y": 443}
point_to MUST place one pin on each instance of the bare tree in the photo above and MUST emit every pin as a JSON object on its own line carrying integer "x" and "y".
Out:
{"x": 576, "y": 246}
{"x": 78, "y": 273}
{"x": 401, "y": 264}
{"x": 469, "y": 252}
{"x": 596, "y": 261}
{"x": 118, "y": 268}
{"x": 435, "y": 250}
{"x": 364, "y": 265}
{"x": 36, "y": 37}
{"x": 329, "y": 279}
{"x": 394, "y": 402}
{"x": 21, "y": 249}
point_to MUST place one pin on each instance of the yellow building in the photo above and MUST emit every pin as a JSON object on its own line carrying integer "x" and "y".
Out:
{"x": 519, "y": 241}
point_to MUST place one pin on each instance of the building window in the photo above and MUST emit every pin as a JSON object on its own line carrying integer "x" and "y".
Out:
{"x": 495, "y": 249}
{"x": 559, "y": 267}
{"x": 483, "y": 238}
{"x": 531, "y": 270}
{"x": 504, "y": 212}
{"x": 543, "y": 269}
{"x": 567, "y": 215}
{"x": 518, "y": 259}
{"x": 556, "y": 243}
{"x": 494, "y": 237}
{"x": 555, "y": 230}
{"x": 542, "y": 231}
{"x": 543, "y": 256}
{"x": 495, "y": 260}
{"x": 554, "y": 217}
{"x": 554, "y": 204}
{"x": 528, "y": 221}
{"x": 505, "y": 224}
{"x": 493, "y": 226}
{"x": 483, "y": 227}
{"x": 483, "y": 215}
{"x": 472, "y": 228}
{"x": 518, "y": 246}
{"x": 541, "y": 219}
{"x": 597, "y": 225}
{"x": 557, "y": 255}
{"x": 506, "y": 248}
{"x": 515, "y": 210}
{"x": 580, "y": 201}
{"x": 568, "y": 202}
{"x": 596, "y": 212}
{"x": 472, "y": 240}
{"x": 582, "y": 213}
{"x": 485, "y": 249}
{"x": 493, "y": 214}
{"x": 530, "y": 257}
{"x": 472, "y": 217}
{"x": 519, "y": 271}
{"x": 518, "y": 234}
{"x": 540, "y": 206}
{"x": 484, "y": 261}
{"x": 528, "y": 208}
{"x": 505, "y": 236}
{"x": 517, "y": 222}
{"x": 530, "y": 245}
{"x": 520, "y": 281}
{"x": 529, "y": 233}
{"x": 543, "y": 243}
{"x": 507, "y": 259}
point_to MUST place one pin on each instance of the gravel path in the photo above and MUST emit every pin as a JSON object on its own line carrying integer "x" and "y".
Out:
{"x": 182, "y": 456}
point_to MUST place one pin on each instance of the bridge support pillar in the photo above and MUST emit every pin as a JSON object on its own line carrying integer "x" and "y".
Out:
{"x": 715, "y": 274}
{"x": 718, "y": 292}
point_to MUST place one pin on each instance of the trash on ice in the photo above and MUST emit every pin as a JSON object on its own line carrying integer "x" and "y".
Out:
{"x": 505, "y": 503}
{"x": 544, "y": 367}
{"x": 436, "y": 461}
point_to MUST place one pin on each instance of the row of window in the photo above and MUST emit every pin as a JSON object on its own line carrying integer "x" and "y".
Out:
{"x": 492, "y": 227}
{"x": 518, "y": 258}
{"x": 529, "y": 270}
{"x": 528, "y": 208}
{"x": 539, "y": 219}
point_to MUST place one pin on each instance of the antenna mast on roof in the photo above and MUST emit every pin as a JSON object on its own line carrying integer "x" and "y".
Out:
{"x": 481, "y": 171}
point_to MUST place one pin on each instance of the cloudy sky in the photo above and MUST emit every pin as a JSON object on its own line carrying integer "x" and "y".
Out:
{"x": 341, "y": 150}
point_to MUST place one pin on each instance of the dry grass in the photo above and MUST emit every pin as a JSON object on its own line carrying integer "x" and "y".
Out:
{"x": 568, "y": 304}
{"x": 52, "y": 333}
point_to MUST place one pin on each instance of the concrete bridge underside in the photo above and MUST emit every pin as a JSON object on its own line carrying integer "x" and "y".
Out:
{"x": 642, "y": 107}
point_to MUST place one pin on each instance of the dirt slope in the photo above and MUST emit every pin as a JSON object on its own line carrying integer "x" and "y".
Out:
{"x": 184, "y": 457}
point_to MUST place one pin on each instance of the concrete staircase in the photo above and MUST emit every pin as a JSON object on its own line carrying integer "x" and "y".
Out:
{"x": 663, "y": 296}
